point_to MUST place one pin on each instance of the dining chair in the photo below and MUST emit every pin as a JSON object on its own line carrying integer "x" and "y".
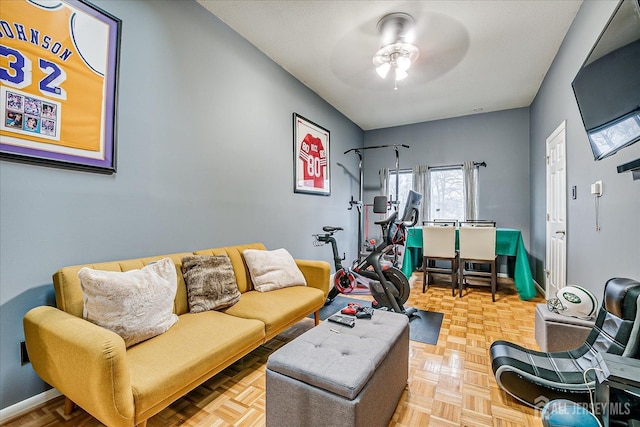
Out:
{"x": 453, "y": 222}
{"x": 439, "y": 244}
{"x": 442, "y": 222}
{"x": 478, "y": 223}
{"x": 478, "y": 245}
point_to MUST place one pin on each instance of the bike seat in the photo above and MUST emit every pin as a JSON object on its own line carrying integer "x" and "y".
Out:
{"x": 331, "y": 229}
{"x": 389, "y": 219}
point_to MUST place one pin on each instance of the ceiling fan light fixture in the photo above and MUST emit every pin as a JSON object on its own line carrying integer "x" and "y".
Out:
{"x": 396, "y": 53}
{"x": 403, "y": 62}
{"x": 383, "y": 69}
{"x": 401, "y": 74}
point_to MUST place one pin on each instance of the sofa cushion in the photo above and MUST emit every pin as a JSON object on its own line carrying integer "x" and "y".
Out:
{"x": 278, "y": 309}
{"x": 211, "y": 282}
{"x": 198, "y": 346}
{"x": 135, "y": 304}
{"x": 271, "y": 270}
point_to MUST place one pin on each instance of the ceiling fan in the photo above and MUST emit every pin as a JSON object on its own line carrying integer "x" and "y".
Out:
{"x": 397, "y": 52}
{"x": 417, "y": 42}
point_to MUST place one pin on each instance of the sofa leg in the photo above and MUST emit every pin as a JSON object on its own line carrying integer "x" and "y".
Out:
{"x": 316, "y": 317}
{"x": 69, "y": 406}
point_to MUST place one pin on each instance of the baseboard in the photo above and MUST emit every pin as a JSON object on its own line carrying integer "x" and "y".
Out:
{"x": 28, "y": 404}
{"x": 539, "y": 288}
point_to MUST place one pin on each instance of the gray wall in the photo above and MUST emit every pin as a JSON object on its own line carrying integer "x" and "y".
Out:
{"x": 204, "y": 160}
{"x": 217, "y": 169}
{"x": 593, "y": 256}
{"x": 501, "y": 139}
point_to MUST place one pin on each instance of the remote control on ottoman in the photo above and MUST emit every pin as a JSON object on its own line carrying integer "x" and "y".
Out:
{"x": 343, "y": 320}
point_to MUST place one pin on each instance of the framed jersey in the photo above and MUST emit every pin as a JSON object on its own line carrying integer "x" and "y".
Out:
{"x": 58, "y": 78}
{"x": 311, "y": 157}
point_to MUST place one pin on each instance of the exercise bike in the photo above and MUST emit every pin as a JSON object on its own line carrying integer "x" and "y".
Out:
{"x": 387, "y": 284}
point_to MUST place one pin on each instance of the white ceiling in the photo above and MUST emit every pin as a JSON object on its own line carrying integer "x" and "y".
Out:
{"x": 475, "y": 55}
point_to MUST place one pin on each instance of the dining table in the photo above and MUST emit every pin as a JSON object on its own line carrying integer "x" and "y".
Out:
{"x": 509, "y": 243}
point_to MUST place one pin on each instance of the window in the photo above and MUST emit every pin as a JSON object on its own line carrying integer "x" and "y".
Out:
{"x": 447, "y": 192}
{"x": 405, "y": 182}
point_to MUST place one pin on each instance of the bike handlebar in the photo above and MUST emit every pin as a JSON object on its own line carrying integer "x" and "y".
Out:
{"x": 391, "y": 218}
{"x": 394, "y": 216}
{"x": 415, "y": 219}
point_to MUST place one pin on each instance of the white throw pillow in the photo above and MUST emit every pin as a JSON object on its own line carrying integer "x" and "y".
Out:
{"x": 271, "y": 270}
{"x": 135, "y": 304}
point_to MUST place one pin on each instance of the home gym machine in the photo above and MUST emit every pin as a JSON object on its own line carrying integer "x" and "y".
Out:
{"x": 359, "y": 205}
{"x": 387, "y": 284}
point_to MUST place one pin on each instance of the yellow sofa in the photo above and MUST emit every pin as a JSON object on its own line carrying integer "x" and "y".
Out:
{"x": 122, "y": 386}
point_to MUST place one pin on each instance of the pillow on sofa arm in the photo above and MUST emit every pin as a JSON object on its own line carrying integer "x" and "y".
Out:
{"x": 211, "y": 282}
{"x": 135, "y": 304}
{"x": 271, "y": 270}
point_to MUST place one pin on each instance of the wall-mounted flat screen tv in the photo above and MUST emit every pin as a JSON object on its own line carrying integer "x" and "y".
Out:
{"x": 607, "y": 87}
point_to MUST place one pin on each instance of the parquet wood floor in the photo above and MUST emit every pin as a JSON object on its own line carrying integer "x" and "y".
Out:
{"x": 450, "y": 383}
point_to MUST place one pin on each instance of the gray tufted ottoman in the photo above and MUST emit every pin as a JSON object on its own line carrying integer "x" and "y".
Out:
{"x": 353, "y": 377}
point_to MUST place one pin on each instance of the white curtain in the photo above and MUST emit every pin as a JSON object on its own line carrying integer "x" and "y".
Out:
{"x": 421, "y": 184}
{"x": 470, "y": 172}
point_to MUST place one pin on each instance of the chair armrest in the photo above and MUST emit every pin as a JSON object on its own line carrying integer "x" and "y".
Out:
{"x": 85, "y": 362}
{"x": 316, "y": 273}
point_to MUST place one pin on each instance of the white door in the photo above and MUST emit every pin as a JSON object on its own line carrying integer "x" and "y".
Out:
{"x": 556, "y": 257}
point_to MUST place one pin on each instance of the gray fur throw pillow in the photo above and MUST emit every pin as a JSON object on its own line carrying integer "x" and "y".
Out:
{"x": 135, "y": 304}
{"x": 211, "y": 282}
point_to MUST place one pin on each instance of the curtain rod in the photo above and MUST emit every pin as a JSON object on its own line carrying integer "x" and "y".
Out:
{"x": 476, "y": 164}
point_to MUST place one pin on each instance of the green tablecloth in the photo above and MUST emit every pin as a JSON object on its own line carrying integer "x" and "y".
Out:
{"x": 508, "y": 242}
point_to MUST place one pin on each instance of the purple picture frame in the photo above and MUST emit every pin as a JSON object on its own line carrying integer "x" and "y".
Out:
{"x": 101, "y": 161}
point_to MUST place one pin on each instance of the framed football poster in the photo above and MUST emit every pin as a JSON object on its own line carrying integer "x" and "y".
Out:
{"x": 58, "y": 74}
{"x": 311, "y": 157}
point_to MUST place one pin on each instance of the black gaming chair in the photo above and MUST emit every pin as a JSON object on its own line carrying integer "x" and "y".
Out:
{"x": 534, "y": 377}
